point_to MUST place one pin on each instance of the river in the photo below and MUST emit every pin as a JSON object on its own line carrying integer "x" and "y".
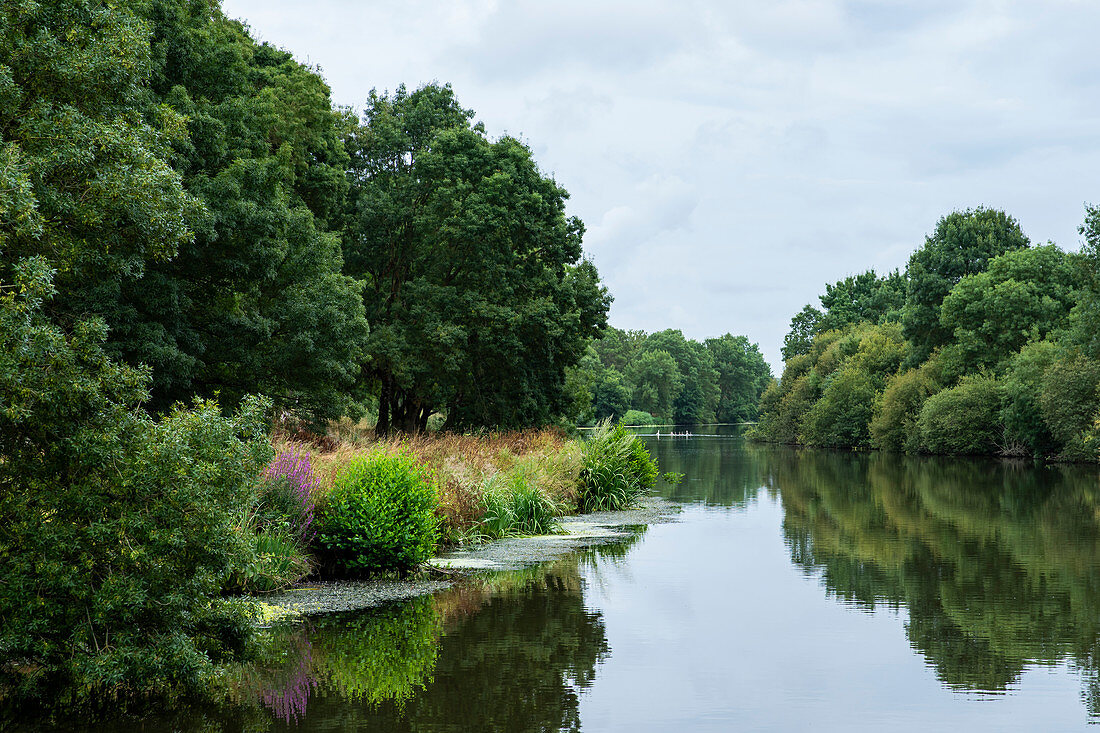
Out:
{"x": 797, "y": 590}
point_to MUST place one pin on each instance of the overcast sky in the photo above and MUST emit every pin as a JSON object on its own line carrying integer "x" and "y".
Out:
{"x": 730, "y": 158}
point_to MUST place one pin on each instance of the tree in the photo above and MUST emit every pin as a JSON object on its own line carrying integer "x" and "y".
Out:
{"x": 117, "y": 532}
{"x": 474, "y": 285}
{"x": 257, "y": 301}
{"x": 181, "y": 179}
{"x": 654, "y": 381}
{"x": 1023, "y": 296}
{"x": 616, "y": 348}
{"x": 863, "y": 297}
{"x": 804, "y": 326}
{"x": 963, "y": 243}
{"x": 1085, "y": 318}
{"x": 697, "y": 398}
{"x": 611, "y": 396}
{"x": 742, "y": 376}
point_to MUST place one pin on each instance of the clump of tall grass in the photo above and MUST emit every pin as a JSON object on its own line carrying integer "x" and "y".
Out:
{"x": 514, "y": 505}
{"x": 616, "y": 469}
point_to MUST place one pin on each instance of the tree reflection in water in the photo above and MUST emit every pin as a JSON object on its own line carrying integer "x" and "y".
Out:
{"x": 997, "y": 563}
{"x": 510, "y": 652}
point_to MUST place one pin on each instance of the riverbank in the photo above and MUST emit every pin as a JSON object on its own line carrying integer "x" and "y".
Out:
{"x": 457, "y": 565}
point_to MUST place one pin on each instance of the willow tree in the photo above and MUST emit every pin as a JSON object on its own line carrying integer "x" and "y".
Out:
{"x": 475, "y": 288}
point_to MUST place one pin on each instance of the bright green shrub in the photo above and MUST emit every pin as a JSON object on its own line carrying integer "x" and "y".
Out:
{"x": 1070, "y": 403}
{"x": 842, "y": 415}
{"x": 117, "y": 532}
{"x": 1021, "y": 389}
{"x": 380, "y": 515}
{"x": 616, "y": 469}
{"x": 964, "y": 419}
{"x": 637, "y": 417}
{"x": 894, "y": 421}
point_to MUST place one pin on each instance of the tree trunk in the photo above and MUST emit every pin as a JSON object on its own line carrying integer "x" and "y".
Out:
{"x": 382, "y": 428}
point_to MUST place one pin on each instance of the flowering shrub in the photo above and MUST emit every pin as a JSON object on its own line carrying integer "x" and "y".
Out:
{"x": 288, "y": 493}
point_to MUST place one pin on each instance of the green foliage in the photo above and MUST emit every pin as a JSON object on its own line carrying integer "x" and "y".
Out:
{"x": 804, "y": 326}
{"x": 894, "y": 421}
{"x": 274, "y": 559}
{"x": 616, "y": 469}
{"x": 1023, "y": 296}
{"x": 1070, "y": 405}
{"x": 655, "y": 382}
{"x": 1021, "y": 389}
{"x": 1084, "y": 331}
{"x": 181, "y": 180}
{"x": 792, "y": 400}
{"x": 963, "y": 419}
{"x": 611, "y": 395}
{"x": 963, "y": 243}
{"x": 475, "y": 288}
{"x": 827, "y": 395}
{"x": 697, "y": 399}
{"x": 637, "y": 417}
{"x": 514, "y": 505}
{"x": 742, "y": 376}
{"x": 380, "y": 515}
{"x": 862, "y": 298}
{"x": 116, "y": 532}
{"x": 842, "y": 416}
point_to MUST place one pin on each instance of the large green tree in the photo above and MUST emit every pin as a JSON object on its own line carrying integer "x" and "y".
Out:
{"x": 862, "y": 297}
{"x": 963, "y": 243}
{"x": 697, "y": 399}
{"x": 1023, "y": 296}
{"x": 742, "y": 376}
{"x": 655, "y": 381}
{"x": 474, "y": 283}
{"x": 181, "y": 178}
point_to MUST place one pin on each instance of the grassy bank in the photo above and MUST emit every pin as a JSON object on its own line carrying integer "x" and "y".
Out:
{"x": 367, "y": 507}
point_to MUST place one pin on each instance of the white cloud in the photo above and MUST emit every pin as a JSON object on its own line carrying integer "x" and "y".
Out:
{"x": 730, "y": 158}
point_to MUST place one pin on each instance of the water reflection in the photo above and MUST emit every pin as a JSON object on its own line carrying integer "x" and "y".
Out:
{"x": 719, "y": 467}
{"x": 997, "y": 564}
{"x": 510, "y": 653}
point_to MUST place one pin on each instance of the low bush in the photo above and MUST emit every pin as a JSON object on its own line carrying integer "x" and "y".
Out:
{"x": 379, "y": 516}
{"x": 963, "y": 419}
{"x": 894, "y": 422}
{"x": 616, "y": 469}
{"x": 637, "y": 417}
{"x": 1070, "y": 402}
{"x": 842, "y": 415}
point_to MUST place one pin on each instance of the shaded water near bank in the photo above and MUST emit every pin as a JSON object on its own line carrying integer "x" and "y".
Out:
{"x": 798, "y": 590}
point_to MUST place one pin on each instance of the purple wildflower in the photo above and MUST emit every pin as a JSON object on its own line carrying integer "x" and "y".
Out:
{"x": 295, "y": 466}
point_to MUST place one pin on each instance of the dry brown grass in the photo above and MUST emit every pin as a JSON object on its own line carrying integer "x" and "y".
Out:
{"x": 462, "y": 464}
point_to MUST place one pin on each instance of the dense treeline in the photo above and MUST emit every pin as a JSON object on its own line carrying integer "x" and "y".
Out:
{"x": 985, "y": 345}
{"x": 666, "y": 378}
{"x": 185, "y": 221}
{"x": 236, "y": 234}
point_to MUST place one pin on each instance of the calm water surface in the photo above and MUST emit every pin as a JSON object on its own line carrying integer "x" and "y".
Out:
{"x": 799, "y": 590}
